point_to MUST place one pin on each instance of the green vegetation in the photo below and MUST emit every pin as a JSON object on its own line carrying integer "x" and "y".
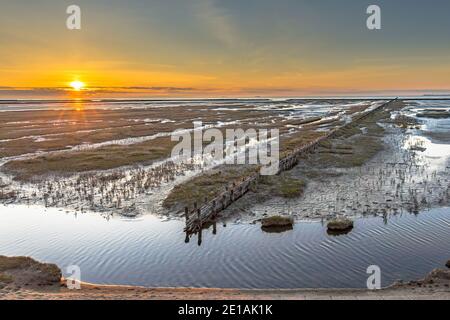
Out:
{"x": 277, "y": 224}
{"x": 354, "y": 145}
{"x": 340, "y": 224}
{"x": 365, "y": 147}
{"x": 207, "y": 185}
{"x": 349, "y": 131}
{"x": 281, "y": 186}
{"x": 317, "y": 174}
{"x": 277, "y": 221}
{"x": 103, "y": 158}
{"x": 5, "y": 279}
{"x": 291, "y": 188}
{"x": 299, "y": 139}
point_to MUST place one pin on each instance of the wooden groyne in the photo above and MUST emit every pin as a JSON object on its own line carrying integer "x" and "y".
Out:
{"x": 199, "y": 215}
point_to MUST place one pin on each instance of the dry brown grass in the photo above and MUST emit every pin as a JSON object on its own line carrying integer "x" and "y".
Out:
{"x": 27, "y": 272}
{"x": 10, "y": 263}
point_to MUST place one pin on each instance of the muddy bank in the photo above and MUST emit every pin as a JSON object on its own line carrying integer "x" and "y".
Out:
{"x": 17, "y": 273}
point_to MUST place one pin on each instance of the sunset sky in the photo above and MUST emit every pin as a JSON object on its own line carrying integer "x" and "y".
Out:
{"x": 223, "y": 48}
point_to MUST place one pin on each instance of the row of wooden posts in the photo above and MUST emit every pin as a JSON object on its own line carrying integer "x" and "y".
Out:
{"x": 199, "y": 215}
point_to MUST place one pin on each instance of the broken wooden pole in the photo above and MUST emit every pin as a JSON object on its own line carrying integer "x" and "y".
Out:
{"x": 214, "y": 211}
{"x": 199, "y": 241}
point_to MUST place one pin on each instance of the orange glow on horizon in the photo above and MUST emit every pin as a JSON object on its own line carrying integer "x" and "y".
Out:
{"x": 77, "y": 85}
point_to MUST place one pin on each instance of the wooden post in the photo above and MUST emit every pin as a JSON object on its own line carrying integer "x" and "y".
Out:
{"x": 199, "y": 242}
{"x": 186, "y": 213}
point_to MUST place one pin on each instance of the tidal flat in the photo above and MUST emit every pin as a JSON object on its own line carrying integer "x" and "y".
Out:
{"x": 381, "y": 165}
{"x": 121, "y": 170}
{"x": 103, "y": 169}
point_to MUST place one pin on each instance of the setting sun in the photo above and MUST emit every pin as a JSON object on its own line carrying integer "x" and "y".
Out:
{"x": 77, "y": 85}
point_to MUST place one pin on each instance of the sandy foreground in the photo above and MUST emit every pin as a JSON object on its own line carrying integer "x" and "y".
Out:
{"x": 95, "y": 292}
{"x": 433, "y": 287}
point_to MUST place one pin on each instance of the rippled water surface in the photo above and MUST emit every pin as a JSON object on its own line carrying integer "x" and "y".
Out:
{"x": 152, "y": 252}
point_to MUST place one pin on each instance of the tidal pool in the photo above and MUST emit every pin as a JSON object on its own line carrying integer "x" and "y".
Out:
{"x": 149, "y": 251}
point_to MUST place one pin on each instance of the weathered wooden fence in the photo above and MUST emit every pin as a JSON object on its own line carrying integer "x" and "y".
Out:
{"x": 197, "y": 216}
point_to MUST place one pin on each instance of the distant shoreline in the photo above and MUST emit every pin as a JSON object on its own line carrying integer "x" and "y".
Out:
{"x": 103, "y": 100}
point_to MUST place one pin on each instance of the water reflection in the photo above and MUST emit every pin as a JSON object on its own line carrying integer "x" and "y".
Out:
{"x": 277, "y": 229}
{"x": 150, "y": 251}
{"x": 204, "y": 227}
{"x": 337, "y": 233}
